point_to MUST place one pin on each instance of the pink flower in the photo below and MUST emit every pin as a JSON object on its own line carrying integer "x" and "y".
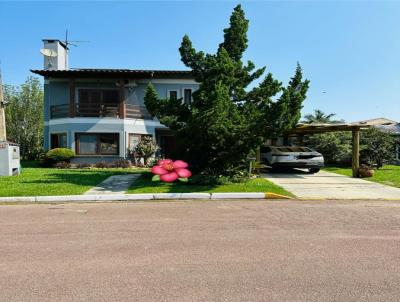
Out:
{"x": 170, "y": 170}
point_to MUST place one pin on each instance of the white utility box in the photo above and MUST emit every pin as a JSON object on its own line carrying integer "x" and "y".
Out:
{"x": 9, "y": 159}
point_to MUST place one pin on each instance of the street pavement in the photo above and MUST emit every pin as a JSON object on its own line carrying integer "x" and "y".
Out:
{"x": 327, "y": 185}
{"x": 259, "y": 250}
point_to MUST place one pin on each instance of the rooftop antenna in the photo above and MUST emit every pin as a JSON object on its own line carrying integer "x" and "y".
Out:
{"x": 72, "y": 43}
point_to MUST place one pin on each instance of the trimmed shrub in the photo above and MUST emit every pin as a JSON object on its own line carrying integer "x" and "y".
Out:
{"x": 60, "y": 154}
{"x": 83, "y": 166}
{"x": 56, "y": 155}
{"x": 102, "y": 165}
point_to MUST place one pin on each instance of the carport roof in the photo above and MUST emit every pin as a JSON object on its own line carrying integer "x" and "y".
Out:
{"x": 321, "y": 127}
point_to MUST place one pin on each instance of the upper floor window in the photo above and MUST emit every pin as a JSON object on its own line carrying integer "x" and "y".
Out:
{"x": 173, "y": 94}
{"x": 98, "y": 102}
{"x": 187, "y": 96}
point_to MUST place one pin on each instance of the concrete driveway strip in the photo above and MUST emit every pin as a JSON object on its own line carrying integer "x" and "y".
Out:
{"x": 326, "y": 185}
{"x": 201, "y": 251}
{"x": 116, "y": 184}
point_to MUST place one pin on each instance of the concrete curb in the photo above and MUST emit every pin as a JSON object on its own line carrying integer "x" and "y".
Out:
{"x": 138, "y": 197}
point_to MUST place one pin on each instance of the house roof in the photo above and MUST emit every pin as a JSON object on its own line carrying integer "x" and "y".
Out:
{"x": 114, "y": 73}
{"x": 393, "y": 129}
{"x": 376, "y": 122}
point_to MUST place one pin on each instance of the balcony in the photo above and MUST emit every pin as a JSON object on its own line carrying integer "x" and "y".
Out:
{"x": 100, "y": 110}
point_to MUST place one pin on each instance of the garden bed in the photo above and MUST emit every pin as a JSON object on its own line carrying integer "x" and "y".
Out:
{"x": 144, "y": 184}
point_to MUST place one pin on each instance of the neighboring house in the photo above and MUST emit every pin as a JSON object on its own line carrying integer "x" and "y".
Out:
{"x": 100, "y": 113}
{"x": 394, "y": 130}
{"x": 387, "y": 126}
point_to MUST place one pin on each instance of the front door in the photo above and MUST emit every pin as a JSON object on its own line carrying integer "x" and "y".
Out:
{"x": 168, "y": 145}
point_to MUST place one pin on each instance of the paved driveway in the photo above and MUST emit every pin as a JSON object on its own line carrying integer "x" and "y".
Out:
{"x": 201, "y": 251}
{"x": 331, "y": 186}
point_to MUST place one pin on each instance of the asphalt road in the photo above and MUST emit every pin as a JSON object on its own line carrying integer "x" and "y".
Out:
{"x": 201, "y": 251}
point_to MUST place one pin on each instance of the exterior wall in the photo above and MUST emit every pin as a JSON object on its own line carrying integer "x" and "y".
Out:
{"x": 57, "y": 93}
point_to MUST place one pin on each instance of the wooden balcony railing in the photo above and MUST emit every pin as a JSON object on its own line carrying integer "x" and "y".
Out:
{"x": 59, "y": 111}
{"x": 99, "y": 110}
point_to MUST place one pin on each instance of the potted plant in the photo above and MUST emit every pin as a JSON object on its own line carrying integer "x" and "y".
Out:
{"x": 365, "y": 171}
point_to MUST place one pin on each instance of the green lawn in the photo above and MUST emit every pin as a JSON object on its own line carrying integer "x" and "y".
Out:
{"x": 388, "y": 175}
{"x": 37, "y": 181}
{"x": 144, "y": 185}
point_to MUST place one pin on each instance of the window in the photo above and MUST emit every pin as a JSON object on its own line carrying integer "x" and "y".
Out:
{"x": 97, "y": 143}
{"x": 109, "y": 144}
{"x": 134, "y": 139}
{"x": 87, "y": 144}
{"x": 187, "y": 96}
{"x": 173, "y": 94}
{"x": 98, "y": 102}
{"x": 58, "y": 140}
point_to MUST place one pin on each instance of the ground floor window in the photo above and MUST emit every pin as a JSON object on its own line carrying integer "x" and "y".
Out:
{"x": 58, "y": 140}
{"x": 398, "y": 150}
{"x": 134, "y": 140}
{"x": 97, "y": 143}
{"x": 187, "y": 96}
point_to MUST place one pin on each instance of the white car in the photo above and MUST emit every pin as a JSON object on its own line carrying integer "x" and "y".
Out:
{"x": 292, "y": 157}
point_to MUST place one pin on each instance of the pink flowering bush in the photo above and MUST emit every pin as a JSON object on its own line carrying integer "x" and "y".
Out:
{"x": 168, "y": 170}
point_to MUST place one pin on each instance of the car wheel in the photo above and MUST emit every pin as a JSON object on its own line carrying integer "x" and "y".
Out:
{"x": 314, "y": 170}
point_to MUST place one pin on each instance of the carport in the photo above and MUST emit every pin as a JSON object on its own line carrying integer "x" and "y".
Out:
{"x": 308, "y": 129}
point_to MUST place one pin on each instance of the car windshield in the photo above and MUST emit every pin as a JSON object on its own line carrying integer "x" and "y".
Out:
{"x": 294, "y": 149}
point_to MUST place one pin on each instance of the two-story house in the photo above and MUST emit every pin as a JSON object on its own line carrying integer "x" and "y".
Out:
{"x": 100, "y": 113}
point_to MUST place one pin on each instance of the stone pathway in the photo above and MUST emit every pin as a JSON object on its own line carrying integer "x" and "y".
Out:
{"x": 328, "y": 185}
{"x": 117, "y": 184}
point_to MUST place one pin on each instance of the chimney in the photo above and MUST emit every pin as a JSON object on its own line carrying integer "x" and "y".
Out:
{"x": 57, "y": 57}
{"x": 3, "y": 136}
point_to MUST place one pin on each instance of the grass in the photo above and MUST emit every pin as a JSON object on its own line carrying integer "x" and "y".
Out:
{"x": 38, "y": 181}
{"x": 388, "y": 175}
{"x": 144, "y": 184}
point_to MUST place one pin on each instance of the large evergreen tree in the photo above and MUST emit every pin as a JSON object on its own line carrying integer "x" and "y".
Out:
{"x": 226, "y": 121}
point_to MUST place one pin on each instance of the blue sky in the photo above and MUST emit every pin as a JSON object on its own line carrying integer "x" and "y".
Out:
{"x": 350, "y": 50}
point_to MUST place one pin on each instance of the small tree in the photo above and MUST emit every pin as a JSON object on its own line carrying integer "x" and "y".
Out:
{"x": 146, "y": 148}
{"x": 320, "y": 117}
{"x": 24, "y": 117}
{"x": 377, "y": 147}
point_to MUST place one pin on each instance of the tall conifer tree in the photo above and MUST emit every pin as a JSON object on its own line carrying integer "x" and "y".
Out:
{"x": 226, "y": 121}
